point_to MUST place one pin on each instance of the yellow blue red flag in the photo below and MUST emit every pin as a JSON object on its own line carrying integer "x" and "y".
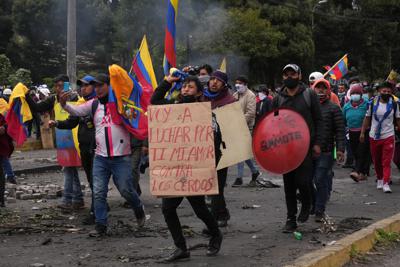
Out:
{"x": 142, "y": 67}
{"x": 170, "y": 31}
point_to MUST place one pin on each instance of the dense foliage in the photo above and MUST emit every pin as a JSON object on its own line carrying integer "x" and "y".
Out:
{"x": 258, "y": 37}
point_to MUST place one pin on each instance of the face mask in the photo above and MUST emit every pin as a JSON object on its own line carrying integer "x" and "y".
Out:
{"x": 261, "y": 96}
{"x": 291, "y": 83}
{"x": 341, "y": 94}
{"x": 188, "y": 98}
{"x": 355, "y": 98}
{"x": 240, "y": 88}
{"x": 385, "y": 97}
{"x": 204, "y": 79}
{"x": 322, "y": 97}
{"x": 365, "y": 96}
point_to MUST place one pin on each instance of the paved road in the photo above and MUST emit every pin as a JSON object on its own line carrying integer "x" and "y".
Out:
{"x": 253, "y": 237}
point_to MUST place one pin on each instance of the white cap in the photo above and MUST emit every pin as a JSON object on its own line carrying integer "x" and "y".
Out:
{"x": 7, "y": 91}
{"x": 44, "y": 91}
{"x": 315, "y": 76}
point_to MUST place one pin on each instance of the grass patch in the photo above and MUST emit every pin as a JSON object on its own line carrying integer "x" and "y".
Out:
{"x": 384, "y": 238}
{"x": 356, "y": 256}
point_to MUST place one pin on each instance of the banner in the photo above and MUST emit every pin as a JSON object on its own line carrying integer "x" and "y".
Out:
{"x": 181, "y": 150}
{"x": 235, "y": 135}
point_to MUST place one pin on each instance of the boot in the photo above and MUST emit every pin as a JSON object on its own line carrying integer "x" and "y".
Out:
{"x": 215, "y": 244}
{"x": 290, "y": 226}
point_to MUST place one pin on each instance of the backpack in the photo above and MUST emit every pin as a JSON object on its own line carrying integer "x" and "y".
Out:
{"x": 371, "y": 104}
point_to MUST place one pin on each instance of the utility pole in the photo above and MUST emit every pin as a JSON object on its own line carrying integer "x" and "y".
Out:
{"x": 71, "y": 42}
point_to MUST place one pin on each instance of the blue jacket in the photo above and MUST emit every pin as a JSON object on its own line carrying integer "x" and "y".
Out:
{"x": 354, "y": 116}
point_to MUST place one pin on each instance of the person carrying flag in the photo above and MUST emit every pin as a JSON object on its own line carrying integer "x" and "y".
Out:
{"x": 112, "y": 154}
{"x": 72, "y": 195}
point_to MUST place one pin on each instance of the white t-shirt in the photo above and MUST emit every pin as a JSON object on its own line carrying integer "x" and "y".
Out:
{"x": 387, "y": 129}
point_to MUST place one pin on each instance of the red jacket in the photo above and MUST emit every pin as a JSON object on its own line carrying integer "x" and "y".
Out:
{"x": 6, "y": 144}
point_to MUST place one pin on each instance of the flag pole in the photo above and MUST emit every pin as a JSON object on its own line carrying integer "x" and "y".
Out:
{"x": 327, "y": 72}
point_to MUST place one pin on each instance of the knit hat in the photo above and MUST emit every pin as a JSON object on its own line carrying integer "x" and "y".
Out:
{"x": 356, "y": 88}
{"x": 243, "y": 79}
{"x": 220, "y": 75}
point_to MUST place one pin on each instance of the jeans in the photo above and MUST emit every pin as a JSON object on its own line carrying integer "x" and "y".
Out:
{"x": 322, "y": 176}
{"x": 299, "y": 178}
{"x": 72, "y": 186}
{"x": 87, "y": 164}
{"x": 8, "y": 171}
{"x": 121, "y": 170}
{"x": 169, "y": 206}
{"x": 240, "y": 167}
{"x": 136, "y": 158}
{"x": 218, "y": 204}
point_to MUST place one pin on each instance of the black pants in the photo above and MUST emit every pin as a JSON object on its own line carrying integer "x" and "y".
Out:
{"x": 218, "y": 204}
{"x": 169, "y": 206}
{"x": 361, "y": 152}
{"x": 87, "y": 156}
{"x": 2, "y": 182}
{"x": 299, "y": 178}
{"x": 136, "y": 156}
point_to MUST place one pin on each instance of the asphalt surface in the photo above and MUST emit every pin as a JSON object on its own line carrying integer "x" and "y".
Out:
{"x": 252, "y": 238}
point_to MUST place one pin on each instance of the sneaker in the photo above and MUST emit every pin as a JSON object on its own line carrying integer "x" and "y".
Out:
{"x": 215, "y": 244}
{"x": 89, "y": 219}
{"x": 99, "y": 231}
{"x": 355, "y": 176}
{"x": 65, "y": 206}
{"x": 11, "y": 180}
{"x": 319, "y": 216}
{"x": 379, "y": 184}
{"x": 252, "y": 183}
{"x": 140, "y": 216}
{"x": 254, "y": 176}
{"x": 222, "y": 223}
{"x": 290, "y": 226}
{"x": 78, "y": 205}
{"x": 238, "y": 182}
{"x": 386, "y": 188}
{"x": 178, "y": 254}
{"x": 304, "y": 214}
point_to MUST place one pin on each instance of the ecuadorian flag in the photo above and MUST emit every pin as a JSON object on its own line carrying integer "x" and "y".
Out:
{"x": 339, "y": 69}
{"x": 128, "y": 102}
{"x": 169, "y": 43}
{"x": 18, "y": 114}
{"x": 142, "y": 67}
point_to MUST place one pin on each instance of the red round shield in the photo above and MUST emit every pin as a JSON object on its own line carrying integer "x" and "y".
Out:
{"x": 281, "y": 141}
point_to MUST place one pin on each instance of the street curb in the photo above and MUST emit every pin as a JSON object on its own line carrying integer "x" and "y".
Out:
{"x": 41, "y": 169}
{"x": 339, "y": 253}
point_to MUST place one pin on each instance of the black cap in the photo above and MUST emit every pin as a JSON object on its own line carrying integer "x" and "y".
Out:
{"x": 384, "y": 84}
{"x": 293, "y": 67}
{"x": 102, "y": 78}
{"x": 61, "y": 77}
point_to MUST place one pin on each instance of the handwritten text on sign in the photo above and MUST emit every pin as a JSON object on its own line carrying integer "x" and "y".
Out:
{"x": 181, "y": 150}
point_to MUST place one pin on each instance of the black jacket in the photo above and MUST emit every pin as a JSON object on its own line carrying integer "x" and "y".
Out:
{"x": 41, "y": 106}
{"x": 334, "y": 130}
{"x": 311, "y": 112}
{"x": 263, "y": 107}
{"x": 158, "y": 97}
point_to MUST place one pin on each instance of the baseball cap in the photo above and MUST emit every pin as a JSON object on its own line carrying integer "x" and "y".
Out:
{"x": 85, "y": 80}
{"x": 293, "y": 67}
{"x": 102, "y": 78}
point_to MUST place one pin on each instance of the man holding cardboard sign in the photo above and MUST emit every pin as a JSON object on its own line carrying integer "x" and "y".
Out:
{"x": 183, "y": 159}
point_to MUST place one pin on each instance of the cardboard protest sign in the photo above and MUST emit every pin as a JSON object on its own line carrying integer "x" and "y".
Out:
{"x": 181, "y": 150}
{"x": 235, "y": 134}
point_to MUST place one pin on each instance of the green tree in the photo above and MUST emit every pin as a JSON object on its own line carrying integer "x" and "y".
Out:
{"x": 5, "y": 69}
{"x": 21, "y": 75}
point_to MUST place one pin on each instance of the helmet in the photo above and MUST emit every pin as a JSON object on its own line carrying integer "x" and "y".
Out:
{"x": 315, "y": 76}
{"x": 7, "y": 91}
